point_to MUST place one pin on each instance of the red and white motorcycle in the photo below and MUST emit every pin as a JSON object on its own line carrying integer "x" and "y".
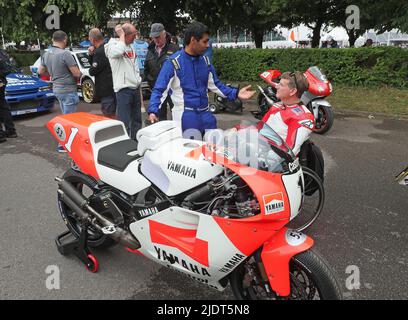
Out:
{"x": 200, "y": 208}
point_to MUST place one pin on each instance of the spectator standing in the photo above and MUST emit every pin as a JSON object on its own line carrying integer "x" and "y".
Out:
{"x": 368, "y": 43}
{"x": 188, "y": 75}
{"x": 101, "y": 70}
{"x": 159, "y": 51}
{"x": 6, "y": 68}
{"x": 141, "y": 47}
{"x": 60, "y": 65}
{"x": 331, "y": 43}
{"x": 126, "y": 78}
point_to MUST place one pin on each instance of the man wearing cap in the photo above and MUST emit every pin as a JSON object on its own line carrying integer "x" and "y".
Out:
{"x": 159, "y": 51}
{"x": 126, "y": 78}
{"x": 187, "y": 76}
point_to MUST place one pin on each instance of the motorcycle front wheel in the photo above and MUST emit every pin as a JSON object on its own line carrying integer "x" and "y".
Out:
{"x": 85, "y": 185}
{"x": 310, "y": 279}
{"x": 326, "y": 118}
{"x": 313, "y": 201}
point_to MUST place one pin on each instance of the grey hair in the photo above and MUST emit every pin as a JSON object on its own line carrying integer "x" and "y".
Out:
{"x": 96, "y": 34}
{"x": 128, "y": 28}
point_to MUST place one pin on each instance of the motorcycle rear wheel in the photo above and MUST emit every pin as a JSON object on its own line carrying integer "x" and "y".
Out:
{"x": 310, "y": 279}
{"x": 85, "y": 185}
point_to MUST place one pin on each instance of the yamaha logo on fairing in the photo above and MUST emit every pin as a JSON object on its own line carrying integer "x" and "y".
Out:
{"x": 172, "y": 259}
{"x": 184, "y": 170}
{"x": 235, "y": 260}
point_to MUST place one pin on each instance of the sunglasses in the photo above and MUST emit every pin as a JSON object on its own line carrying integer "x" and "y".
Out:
{"x": 293, "y": 74}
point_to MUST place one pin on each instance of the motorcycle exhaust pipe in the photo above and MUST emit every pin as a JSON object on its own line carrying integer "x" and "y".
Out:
{"x": 77, "y": 202}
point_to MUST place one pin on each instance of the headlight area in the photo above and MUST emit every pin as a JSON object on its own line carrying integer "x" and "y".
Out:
{"x": 45, "y": 88}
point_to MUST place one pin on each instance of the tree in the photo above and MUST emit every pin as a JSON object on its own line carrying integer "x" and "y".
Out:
{"x": 371, "y": 14}
{"x": 259, "y": 16}
{"x": 313, "y": 13}
{"x": 144, "y": 13}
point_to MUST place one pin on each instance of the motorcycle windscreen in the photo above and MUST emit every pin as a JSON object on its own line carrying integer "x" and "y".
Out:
{"x": 257, "y": 147}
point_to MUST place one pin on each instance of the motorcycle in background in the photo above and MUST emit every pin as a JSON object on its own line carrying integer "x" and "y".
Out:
{"x": 314, "y": 99}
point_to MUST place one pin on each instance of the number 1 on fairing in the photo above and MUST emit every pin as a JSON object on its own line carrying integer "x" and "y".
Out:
{"x": 74, "y": 132}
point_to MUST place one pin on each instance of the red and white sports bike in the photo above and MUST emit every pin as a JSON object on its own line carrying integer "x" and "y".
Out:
{"x": 190, "y": 205}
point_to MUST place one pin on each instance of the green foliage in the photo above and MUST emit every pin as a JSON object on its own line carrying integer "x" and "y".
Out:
{"x": 24, "y": 59}
{"x": 381, "y": 66}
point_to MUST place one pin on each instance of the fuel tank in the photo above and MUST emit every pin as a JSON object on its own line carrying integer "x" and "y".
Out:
{"x": 171, "y": 169}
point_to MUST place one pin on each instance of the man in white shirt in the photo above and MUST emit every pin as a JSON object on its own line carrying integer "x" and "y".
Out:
{"x": 126, "y": 78}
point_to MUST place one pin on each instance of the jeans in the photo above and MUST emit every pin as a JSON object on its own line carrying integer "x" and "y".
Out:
{"x": 108, "y": 104}
{"x": 68, "y": 102}
{"x": 129, "y": 110}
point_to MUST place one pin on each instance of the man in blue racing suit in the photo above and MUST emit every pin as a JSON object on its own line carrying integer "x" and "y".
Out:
{"x": 186, "y": 77}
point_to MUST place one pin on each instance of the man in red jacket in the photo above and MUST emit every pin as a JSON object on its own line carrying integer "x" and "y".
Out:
{"x": 289, "y": 118}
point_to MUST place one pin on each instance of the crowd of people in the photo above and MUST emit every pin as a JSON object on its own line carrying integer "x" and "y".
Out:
{"x": 116, "y": 69}
{"x": 179, "y": 78}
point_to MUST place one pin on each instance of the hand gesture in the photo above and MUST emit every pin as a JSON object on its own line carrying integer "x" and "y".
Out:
{"x": 119, "y": 31}
{"x": 91, "y": 50}
{"x": 152, "y": 118}
{"x": 245, "y": 93}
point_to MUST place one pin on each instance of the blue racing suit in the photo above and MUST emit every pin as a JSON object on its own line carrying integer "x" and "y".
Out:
{"x": 187, "y": 80}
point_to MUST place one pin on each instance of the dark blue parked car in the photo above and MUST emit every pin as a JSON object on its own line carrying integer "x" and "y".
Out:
{"x": 28, "y": 94}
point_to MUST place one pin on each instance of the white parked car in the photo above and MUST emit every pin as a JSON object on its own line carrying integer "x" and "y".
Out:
{"x": 86, "y": 85}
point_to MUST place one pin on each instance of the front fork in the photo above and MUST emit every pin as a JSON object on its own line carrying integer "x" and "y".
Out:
{"x": 314, "y": 106}
{"x": 276, "y": 255}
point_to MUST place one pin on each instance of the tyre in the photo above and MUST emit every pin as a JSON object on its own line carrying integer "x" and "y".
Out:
{"x": 310, "y": 279}
{"x": 88, "y": 91}
{"x": 214, "y": 108}
{"x": 313, "y": 201}
{"x": 85, "y": 185}
{"x": 326, "y": 117}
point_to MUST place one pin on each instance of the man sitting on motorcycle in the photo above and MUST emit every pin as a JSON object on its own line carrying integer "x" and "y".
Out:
{"x": 289, "y": 118}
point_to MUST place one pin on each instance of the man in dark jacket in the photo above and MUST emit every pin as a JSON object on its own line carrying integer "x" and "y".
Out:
{"x": 5, "y": 115}
{"x": 101, "y": 70}
{"x": 159, "y": 51}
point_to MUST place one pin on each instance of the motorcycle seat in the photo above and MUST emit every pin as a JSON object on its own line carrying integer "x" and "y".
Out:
{"x": 118, "y": 155}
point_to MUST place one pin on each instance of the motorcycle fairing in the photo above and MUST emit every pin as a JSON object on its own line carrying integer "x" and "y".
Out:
{"x": 190, "y": 242}
{"x": 317, "y": 87}
{"x": 276, "y": 255}
{"x": 270, "y": 75}
{"x": 84, "y": 135}
{"x": 249, "y": 234}
{"x": 63, "y": 127}
{"x": 174, "y": 173}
